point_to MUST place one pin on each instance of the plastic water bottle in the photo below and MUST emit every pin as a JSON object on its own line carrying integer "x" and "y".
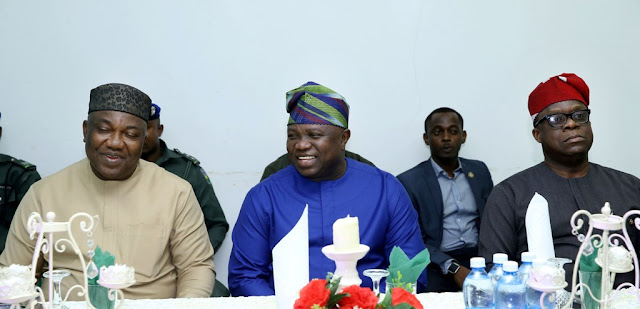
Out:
{"x": 510, "y": 290}
{"x": 525, "y": 268}
{"x": 477, "y": 288}
{"x": 496, "y": 271}
{"x": 532, "y": 296}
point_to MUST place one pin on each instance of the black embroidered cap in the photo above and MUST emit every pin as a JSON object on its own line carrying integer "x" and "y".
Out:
{"x": 122, "y": 98}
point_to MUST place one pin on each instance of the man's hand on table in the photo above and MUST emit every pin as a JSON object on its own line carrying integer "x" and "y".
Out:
{"x": 459, "y": 276}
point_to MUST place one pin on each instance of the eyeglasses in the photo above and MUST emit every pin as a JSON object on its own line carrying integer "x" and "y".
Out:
{"x": 560, "y": 119}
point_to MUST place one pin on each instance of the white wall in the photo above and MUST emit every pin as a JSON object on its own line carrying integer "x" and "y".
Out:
{"x": 220, "y": 70}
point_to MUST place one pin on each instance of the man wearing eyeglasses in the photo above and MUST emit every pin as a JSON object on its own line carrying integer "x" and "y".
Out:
{"x": 566, "y": 180}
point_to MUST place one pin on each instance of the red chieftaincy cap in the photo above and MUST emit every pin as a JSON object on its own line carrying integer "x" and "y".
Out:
{"x": 563, "y": 87}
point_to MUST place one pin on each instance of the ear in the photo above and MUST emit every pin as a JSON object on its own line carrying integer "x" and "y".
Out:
{"x": 84, "y": 131}
{"x": 344, "y": 138}
{"x": 425, "y": 137}
{"x": 464, "y": 136}
{"x": 536, "y": 134}
{"x": 160, "y": 129}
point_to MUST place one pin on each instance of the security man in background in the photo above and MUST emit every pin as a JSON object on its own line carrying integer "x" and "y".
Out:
{"x": 188, "y": 168}
{"x": 16, "y": 176}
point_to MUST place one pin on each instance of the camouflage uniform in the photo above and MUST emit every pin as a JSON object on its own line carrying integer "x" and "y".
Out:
{"x": 16, "y": 176}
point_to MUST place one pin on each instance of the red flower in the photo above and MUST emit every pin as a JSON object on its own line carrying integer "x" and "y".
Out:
{"x": 400, "y": 295}
{"x": 314, "y": 293}
{"x": 363, "y": 298}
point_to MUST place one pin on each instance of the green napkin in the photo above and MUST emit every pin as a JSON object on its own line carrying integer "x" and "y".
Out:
{"x": 588, "y": 262}
{"x": 403, "y": 269}
{"x": 590, "y": 274}
{"x": 101, "y": 259}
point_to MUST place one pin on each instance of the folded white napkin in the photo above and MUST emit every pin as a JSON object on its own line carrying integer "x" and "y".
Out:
{"x": 538, "y": 226}
{"x": 291, "y": 263}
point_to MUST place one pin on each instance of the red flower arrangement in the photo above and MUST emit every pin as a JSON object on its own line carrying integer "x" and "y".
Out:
{"x": 400, "y": 296}
{"x": 322, "y": 294}
{"x": 358, "y": 298}
{"x": 314, "y": 295}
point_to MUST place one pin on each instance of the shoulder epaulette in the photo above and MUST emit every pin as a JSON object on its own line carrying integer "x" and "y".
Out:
{"x": 188, "y": 157}
{"x": 5, "y": 158}
{"x": 22, "y": 163}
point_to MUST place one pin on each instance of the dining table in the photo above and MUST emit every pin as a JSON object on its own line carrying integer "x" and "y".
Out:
{"x": 428, "y": 300}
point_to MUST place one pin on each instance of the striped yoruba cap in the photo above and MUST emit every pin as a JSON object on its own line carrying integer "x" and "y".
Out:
{"x": 313, "y": 103}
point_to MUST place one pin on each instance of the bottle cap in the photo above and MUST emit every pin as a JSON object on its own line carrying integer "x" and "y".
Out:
{"x": 477, "y": 262}
{"x": 499, "y": 258}
{"x": 510, "y": 266}
{"x": 528, "y": 256}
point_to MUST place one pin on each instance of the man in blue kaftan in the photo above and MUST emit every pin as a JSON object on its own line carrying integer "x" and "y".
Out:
{"x": 333, "y": 186}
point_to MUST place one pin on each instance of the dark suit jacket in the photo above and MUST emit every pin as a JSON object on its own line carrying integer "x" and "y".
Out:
{"x": 424, "y": 190}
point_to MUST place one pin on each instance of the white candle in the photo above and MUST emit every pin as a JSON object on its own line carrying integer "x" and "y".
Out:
{"x": 346, "y": 234}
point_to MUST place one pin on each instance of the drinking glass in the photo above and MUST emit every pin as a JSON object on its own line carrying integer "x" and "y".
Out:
{"x": 408, "y": 286}
{"x": 55, "y": 276}
{"x": 593, "y": 280}
{"x": 376, "y": 275}
{"x": 99, "y": 297}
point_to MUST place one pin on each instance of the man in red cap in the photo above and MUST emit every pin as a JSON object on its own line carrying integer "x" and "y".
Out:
{"x": 566, "y": 180}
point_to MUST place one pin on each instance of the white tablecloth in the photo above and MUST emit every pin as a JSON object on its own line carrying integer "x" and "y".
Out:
{"x": 429, "y": 300}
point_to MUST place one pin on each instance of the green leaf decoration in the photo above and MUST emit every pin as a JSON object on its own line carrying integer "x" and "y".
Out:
{"x": 386, "y": 302}
{"x": 334, "y": 299}
{"x": 332, "y": 285}
{"x": 403, "y": 306}
{"x": 397, "y": 282}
